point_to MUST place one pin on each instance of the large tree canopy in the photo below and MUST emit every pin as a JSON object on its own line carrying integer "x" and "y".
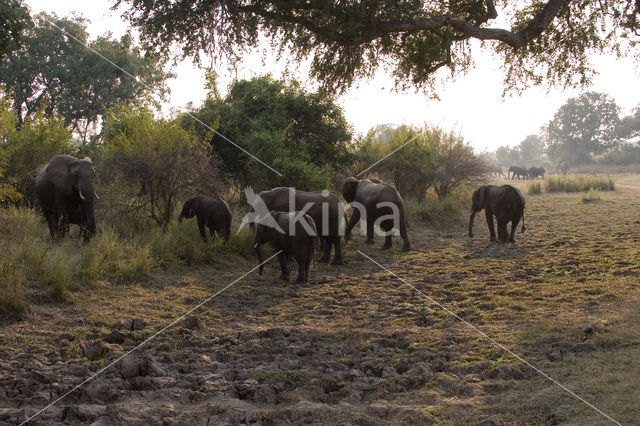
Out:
{"x": 54, "y": 70}
{"x": 540, "y": 41}
{"x": 14, "y": 19}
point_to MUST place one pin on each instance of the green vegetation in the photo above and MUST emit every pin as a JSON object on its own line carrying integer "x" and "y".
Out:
{"x": 578, "y": 183}
{"x": 592, "y": 196}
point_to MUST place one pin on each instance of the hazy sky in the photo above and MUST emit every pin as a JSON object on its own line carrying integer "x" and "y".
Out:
{"x": 471, "y": 104}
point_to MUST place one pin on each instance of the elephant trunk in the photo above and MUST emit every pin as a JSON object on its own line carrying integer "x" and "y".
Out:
{"x": 473, "y": 215}
{"x": 86, "y": 194}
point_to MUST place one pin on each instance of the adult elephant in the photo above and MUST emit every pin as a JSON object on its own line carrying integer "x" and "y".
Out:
{"x": 64, "y": 191}
{"x": 293, "y": 234}
{"x": 536, "y": 172}
{"x": 375, "y": 199}
{"x": 213, "y": 213}
{"x": 505, "y": 202}
{"x": 564, "y": 167}
{"x": 325, "y": 209}
{"x": 517, "y": 171}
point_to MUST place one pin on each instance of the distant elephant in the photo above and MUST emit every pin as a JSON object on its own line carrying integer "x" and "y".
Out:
{"x": 564, "y": 167}
{"x": 211, "y": 212}
{"x": 298, "y": 241}
{"x": 367, "y": 194}
{"x": 497, "y": 171}
{"x": 505, "y": 202}
{"x": 514, "y": 171}
{"x": 64, "y": 191}
{"x": 536, "y": 172}
{"x": 325, "y": 209}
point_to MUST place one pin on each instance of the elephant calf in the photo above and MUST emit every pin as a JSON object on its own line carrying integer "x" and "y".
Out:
{"x": 211, "y": 212}
{"x": 505, "y": 202}
{"x": 295, "y": 235}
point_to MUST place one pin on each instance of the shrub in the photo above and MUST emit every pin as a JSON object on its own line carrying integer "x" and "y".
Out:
{"x": 440, "y": 213}
{"x": 577, "y": 183}
{"x": 535, "y": 188}
{"x": 591, "y": 196}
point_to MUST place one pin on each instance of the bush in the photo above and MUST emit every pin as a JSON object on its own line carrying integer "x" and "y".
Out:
{"x": 577, "y": 183}
{"x": 592, "y": 196}
{"x": 440, "y": 213}
{"x": 535, "y": 188}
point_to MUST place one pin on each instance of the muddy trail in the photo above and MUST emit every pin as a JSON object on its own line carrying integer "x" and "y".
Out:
{"x": 358, "y": 345}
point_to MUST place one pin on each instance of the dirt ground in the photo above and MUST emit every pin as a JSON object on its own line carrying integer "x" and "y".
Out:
{"x": 357, "y": 345}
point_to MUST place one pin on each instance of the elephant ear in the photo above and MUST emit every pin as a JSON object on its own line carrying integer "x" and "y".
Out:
{"x": 481, "y": 197}
{"x": 58, "y": 173}
{"x": 349, "y": 187}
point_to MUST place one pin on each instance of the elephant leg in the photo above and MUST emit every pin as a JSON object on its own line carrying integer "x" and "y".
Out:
{"x": 353, "y": 220}
{"x": 404, "y": 235}
{"x": 62, "y": 216}
{"x": 302, "y": 263}
{"x": 52, "y": 221}
{"x": 489, "y": 216}
{"x": 514, "y": 225}
{"x": 307, "y": 265}
{"x": 370, "y": 222}
{"x": 202, "y": 230}
{"x": 337, "y": 245}
{"x": 284, "y": 266}
{"x": 387, "y": 242}
{"x": 502, "y": 230}
{"x": 326, "y": 255}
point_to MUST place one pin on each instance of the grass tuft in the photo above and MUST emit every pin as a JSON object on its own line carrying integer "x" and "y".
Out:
{"x": 535, "y": 188}
{"x": 578, "y": 183}
{"x": 592, "y": 196}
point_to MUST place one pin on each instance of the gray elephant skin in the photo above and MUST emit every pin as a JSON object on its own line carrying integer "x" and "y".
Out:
{"x": 300, "y": 244}
{"x": 505, "y": 202}
{"x": 536, "y": 172}
{"x": 213, "y": 213}
{"x": 514, "y": 171}
{"x": 369, "y": 193}
{"x": 329, "y": 230}
{"x": 564, "y": 167}
{"x": 64, "y": 191}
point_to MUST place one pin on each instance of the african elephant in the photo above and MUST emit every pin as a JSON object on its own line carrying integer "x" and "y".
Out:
{"x": 325, "y": 209}
{"x": 564, "y": 167}
{"x": 519, "y": 171}
{"x": 211, "y": 212}
{"x": 294, "y": 233}
{"x": 497, "y": 171}
{"x": 505, "y": 202}
{"x": 64, "y": 191}
{"x": 536, "y": 172}
{"x": 368, "y": 195}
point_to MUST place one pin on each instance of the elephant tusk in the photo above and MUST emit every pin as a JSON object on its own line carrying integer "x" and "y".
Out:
{"x": 94, "y": 193}
{"x": 81, "y": 196}
{"x": 256, "y": 245}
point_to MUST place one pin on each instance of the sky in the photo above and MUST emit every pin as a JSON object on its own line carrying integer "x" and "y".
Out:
{"x": 472, "y": 105}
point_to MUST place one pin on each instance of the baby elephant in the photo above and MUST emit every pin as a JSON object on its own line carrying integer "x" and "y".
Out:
{"x": 293, "y": 233}
{"x": 505, "y": 202}
{"x": 212, "y": 212}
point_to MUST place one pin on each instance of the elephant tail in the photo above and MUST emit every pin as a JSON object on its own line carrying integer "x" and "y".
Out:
{"x": 524, "y": 228}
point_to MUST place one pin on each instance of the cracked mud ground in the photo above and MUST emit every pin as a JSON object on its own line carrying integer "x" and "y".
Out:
{"x": 356, "y": 345}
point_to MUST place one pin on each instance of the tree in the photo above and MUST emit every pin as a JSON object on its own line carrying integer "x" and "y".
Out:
{"x": 545, "y": 41}
{"x": 508, "y": 156}
{"x": 24, "y": 150}
{"x": 531, "y": 151}
{"x": 158, "y": 161}
{"x": 52, "y": 70}
{"x": 15, "y": 19}
{"x": 582, "y": 127}
{"x": 303, "y": 135}
{"x": 629, "y": 126}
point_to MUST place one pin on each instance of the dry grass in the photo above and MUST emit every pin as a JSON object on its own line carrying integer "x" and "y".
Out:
{"x": 578, "y": 183}
{"x": 574, "y": 269}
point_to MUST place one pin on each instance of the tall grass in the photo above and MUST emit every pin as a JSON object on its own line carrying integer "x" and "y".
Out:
{"x": 121, "y": 253}
{"x": 578, "y": 183}
{"x": 440, "y": 213}
{"x": 535, "y": 188}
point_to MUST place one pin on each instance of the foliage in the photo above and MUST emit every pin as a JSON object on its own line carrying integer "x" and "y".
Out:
{"x": 582, "y": 127}
{"x": 15, "y": 19}
{"x": 158, "y": 161}
{"x": 544, "y": 41}
{"x": 577, "y": 183}
{"x": 302, "y": 135}
{"x": 416, "y": 160}
{"x": 24, "y": 150}
{"x": 52, "y": 70}
{"x": 440, "y": 214}
{"x": 535, "y": 188}
{"x": 629, "y": 126}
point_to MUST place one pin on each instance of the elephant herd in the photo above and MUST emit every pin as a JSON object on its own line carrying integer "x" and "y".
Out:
{"x": 521, "y": 172}
{"x": 291, "y": 220}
